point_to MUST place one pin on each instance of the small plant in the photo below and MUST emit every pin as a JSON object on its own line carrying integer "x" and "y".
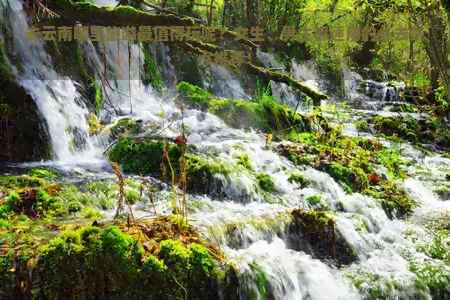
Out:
{"x": 361, "y": 125}
{"x": 314, "y": 200}
{"x": 298, "y": 178}
{"x": 132, "y": 196}
{"x": 94, "y": 124}
{"x": 121, "y": 195}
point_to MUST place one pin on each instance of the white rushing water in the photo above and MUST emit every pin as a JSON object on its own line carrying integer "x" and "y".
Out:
{"x": 384, "y": 247}
{"x": 56, "y": 97}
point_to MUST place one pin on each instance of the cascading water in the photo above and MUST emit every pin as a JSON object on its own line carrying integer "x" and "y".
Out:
{"x": 56, "y": 97}
{"x": 384, "y": 248}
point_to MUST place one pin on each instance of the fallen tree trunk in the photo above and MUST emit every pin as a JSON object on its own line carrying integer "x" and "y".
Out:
{"x": 267, "y": 74}
{"x": 89, "y": 14}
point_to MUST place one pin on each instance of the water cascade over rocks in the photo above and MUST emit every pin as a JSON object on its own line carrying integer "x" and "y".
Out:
{"x": 251, "y": 225}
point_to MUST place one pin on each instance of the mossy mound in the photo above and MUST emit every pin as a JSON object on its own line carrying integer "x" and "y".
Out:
{"x": 265, "y": 182}
{"x": 298, "y": 178}
{"x": 317, "y": 229}
{"x": 123, "y": 127}
{"x": 143, "y": 157}
{"x": 262, "y": 112}
{"x": 432, "y": 279}
{"x": 39, "y": 195}
{"x": 108, "y": 263}
{"x": 353, "y": 162}
{"x": 430, "y": 130}
{"x": 373, "y": 286}
{"x": 146, "y": 157}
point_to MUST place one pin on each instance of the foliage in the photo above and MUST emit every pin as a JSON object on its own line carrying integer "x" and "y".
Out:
{"x": 432, "y": 279}
{"x": 352, "y": 162}
{"x": 265, "y": 182}
{"x": 144, "y": 157}
{"x": 431, "y": 130}
{"x": 263, "y": 112}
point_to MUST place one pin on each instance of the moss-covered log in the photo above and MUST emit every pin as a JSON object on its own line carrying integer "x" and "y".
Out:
{"x": 90, "y": 14}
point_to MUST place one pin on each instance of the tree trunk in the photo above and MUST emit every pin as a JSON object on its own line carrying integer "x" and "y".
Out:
{"x": 435, "y": 41}
{"x": 89, "y": 14}
{"x": 252, "y": 12}
{"x": 211, "y": 8}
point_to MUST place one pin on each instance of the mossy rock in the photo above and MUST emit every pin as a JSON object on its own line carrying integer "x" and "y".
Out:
{"x": 394, "y": 200}
{"x": 315, "y": 229}
{"x": 265, "y": 182}
{"x": 102, "y": 261}
{"x": 143, "y": 157}
{"x": 11, "y": 182}
{"x": 374, "y": 286}
{"x": 431, "y": 280}
{"x": 263, "y": 112}
{"x": 146, "y": 157}
{"x": 201, "y": 173}
{"x": 353, "y": 178}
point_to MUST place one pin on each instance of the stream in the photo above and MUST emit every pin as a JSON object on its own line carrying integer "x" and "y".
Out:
{"x": 385, "y": 248}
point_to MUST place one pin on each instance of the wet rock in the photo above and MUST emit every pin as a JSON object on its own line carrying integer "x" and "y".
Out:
{"x": 24, "y": 133}
{"x": 314, "y": 232}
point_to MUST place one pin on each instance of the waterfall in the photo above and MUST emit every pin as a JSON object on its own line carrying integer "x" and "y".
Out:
{"x": 293, "y": 272}
{"x": 56, "y": 97}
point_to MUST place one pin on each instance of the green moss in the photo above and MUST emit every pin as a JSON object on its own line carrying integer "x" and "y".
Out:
{"x": 124, "y": 126}
{"x": 374, "y": 286}
{"x": 431, "y": 280}
{"x": 43, "y": 173}
{"x": 392, "y": 160}
{"x": 439, "y": 247}
{"x": 263, "y": 112}
{"x": 201, "y": 172}
{"x": 302, "y": 137}
{"x": 361, "y": 125}
{"x": 90, "y": 253}
{"x": 265, "y": 182}
{"x": 298, "y": 178}
{"x": 244, "y": 160}
{"x": 353, "y": 178}
{"x": 91, "y": 213}
{"x": 46, "y": 204}
{"x": 152, "y": 72}
{"x": 433, "y": 129}
{"x": 219, "y": 104}
{"x": 262, "y": 283}
{"x": 194, "y": 93}
{"x": 393, "y": 199}
{"x": 443, "y": 191}
{"x": 405, "y": 107}
{"x": 352, "y": 163}
{"x": 314, "y": 200}
{"x": 144, "y": 156}
{"x": 132, "y": 196}
{"x": 21, "y": 181}
{"x": 95, "y": 261}
{"x": 98, "y": 186}
{"x": 317, "y": 227}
